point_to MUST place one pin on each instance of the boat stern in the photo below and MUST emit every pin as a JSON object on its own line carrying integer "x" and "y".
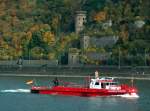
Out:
{"x": 34, "y": 90}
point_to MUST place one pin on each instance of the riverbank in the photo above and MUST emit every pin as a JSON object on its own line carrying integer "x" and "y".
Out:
{"x": 78, "y": 68}
{"x": 142, "y": 73}
{"x": 144, "y": 77}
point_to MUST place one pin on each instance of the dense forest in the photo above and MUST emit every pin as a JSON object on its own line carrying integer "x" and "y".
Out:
{"x": 45, "y": 28}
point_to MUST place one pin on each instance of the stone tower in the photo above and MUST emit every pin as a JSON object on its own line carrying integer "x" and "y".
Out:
{"x": 79, "y": 21}
{"x": 85, "y": 42}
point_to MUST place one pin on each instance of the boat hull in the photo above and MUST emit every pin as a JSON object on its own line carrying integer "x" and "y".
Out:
{"x": 73, "y": 91}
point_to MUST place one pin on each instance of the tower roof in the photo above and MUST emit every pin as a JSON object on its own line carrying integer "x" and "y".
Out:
{"x": 81, "y": 12}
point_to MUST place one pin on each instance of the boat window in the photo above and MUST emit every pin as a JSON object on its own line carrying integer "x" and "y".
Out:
{"x": 97, "y": 83}
{"x": 107, "y": 84}
{"x": 113, "y": 83}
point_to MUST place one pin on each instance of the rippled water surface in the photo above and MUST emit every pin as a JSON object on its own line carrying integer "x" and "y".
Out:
{"x": 15, "y": 96}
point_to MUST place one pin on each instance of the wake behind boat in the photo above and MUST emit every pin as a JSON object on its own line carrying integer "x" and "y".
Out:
{"x": 105, "y": 86}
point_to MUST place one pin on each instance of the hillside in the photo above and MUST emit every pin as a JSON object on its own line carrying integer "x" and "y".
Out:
{"x": 44, "y": 29}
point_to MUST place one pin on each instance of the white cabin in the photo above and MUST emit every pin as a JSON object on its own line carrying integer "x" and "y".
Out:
{"x": 104, "y": 83}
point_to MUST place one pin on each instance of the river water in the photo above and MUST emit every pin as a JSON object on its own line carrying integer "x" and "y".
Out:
{"x": 15, "y": 96}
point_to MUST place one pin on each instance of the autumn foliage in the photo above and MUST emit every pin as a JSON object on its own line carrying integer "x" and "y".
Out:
{"x": 100, "y": 16}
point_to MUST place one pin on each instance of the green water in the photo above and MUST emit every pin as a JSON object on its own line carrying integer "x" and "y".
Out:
{"x": 15, "y": 96}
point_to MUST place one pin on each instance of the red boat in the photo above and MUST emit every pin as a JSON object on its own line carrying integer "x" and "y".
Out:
{"x": 105, "y": 86}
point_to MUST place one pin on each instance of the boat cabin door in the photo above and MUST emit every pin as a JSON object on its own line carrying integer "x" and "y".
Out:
{"x": 103, "y": 85}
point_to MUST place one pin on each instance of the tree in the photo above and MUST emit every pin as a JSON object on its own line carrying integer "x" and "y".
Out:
{"x": 49, "y": 38}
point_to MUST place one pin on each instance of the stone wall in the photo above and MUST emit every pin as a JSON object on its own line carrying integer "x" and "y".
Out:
{"x": 29, "y": 63}
{"x": 98, "y": 55}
